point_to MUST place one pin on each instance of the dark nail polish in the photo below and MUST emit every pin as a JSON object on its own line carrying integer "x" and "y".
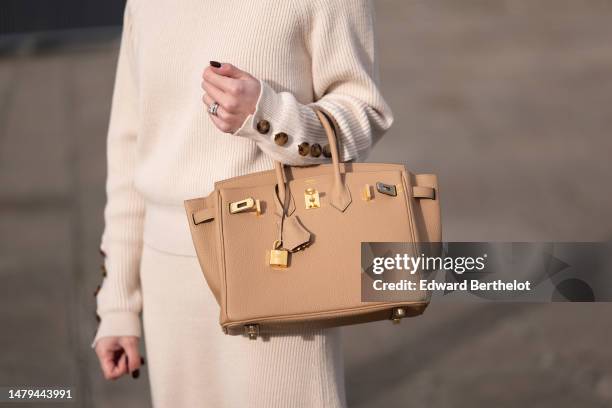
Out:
{"x": 142, "y": 361}
{"x": 117, "y": 355}
{"x": 135, "y": 373}
{"x": 215, "y": 64}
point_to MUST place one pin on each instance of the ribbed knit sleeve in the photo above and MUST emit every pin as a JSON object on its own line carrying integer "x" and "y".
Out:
{"x": 339, "y": 35}
{"x": 119, "y": 299}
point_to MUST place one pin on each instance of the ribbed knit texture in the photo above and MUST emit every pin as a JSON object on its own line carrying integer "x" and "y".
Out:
{"x": 162, "y": 146}
{"x": 192, "y": 364}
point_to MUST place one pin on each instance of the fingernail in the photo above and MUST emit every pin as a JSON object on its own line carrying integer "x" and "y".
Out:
{"x": 142, "y": 360}
{"x": 215, "y": 64}
{"x": 135, "y": 373}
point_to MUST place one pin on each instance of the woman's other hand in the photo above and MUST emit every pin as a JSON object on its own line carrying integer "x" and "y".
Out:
{"x": 119, "y": 356}
{"x": 235, "y": 91}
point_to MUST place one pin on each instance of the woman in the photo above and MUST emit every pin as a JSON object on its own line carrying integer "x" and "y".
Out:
{"x": 178, "y": 124}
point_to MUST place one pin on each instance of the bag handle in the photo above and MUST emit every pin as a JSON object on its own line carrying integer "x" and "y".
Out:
{"x": 340, "y": 196}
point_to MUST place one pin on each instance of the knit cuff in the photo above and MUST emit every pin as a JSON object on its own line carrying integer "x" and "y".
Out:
{"x": 267, "y": 108}
{"x": 278, "y": 113}
{"x": 118, "y": 324}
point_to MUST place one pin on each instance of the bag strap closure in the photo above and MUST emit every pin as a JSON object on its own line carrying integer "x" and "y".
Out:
{"x": 203, "y": 215}
{"x": 209, "y": 213}
{"x": 424, "y": 192}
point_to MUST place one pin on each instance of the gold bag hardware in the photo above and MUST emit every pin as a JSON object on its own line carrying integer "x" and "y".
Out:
{"x": 311, "y": 197}
{"x": 278, "y": 257}
{"x": 388, "y": 189}
{"x": 252, "y": 331}
{"x": 245, "y": 205}
{"x": 366, "y": 194}
{"x": 397, "y": 314}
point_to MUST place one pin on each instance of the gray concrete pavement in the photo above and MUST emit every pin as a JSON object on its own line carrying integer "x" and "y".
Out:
{"x": 508, "y": 101}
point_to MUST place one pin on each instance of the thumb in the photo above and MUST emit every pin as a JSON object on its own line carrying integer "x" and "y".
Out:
{"x": 229, "y": 70}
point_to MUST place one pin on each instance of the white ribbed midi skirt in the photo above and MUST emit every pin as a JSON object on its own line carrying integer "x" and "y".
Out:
{"x": 192, "y": 363}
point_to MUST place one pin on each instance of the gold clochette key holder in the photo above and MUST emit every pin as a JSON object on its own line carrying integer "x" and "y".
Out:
{"x": 292, "y": 235}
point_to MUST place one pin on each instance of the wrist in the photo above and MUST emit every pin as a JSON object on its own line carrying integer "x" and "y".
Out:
{"x": 118, "y": 324}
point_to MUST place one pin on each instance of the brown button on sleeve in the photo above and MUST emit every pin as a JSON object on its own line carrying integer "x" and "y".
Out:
{"x": 326, "y": 151}
{"x": 281, "y": 138}
{"x": 304, "y": 149}
{"x": 315, "y": 150}
{"x": 263, "y": 126}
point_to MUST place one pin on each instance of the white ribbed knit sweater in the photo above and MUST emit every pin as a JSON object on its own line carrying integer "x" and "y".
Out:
{"x": 162, "y": 146}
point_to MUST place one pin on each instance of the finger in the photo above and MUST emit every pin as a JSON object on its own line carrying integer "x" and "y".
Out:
{"x": 215, "y": 93}
{"x": 230, "y": 104}
{"x": 112, "y": 366}
{"x": 107, "y": 365}
{"x": 222, "y": 113}
{"x": 231, "y": 71}
{"x": 121, "y": 368}
{"x": 129, "y": 347}
{"x": 133, "y": 356}
{"x": 207, "y": 99}
{"x": 224, "y": 83}
{"x": 106, "y": 352}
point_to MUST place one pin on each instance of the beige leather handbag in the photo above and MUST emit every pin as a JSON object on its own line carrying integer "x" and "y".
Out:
{"x": 281, "y": 248}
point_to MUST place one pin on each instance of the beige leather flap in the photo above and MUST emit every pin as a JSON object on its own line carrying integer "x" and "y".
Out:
{"x": 203, "y": 215}
{"x": 207, "y": 214}
{"x": 423, "y": 192}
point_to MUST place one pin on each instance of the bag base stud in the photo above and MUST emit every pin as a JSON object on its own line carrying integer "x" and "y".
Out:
{"x": 252, "y": 331}
{"x": 397, "y": 314}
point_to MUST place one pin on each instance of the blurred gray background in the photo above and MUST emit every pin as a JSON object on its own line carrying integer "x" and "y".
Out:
{"x": 510, "y": 102}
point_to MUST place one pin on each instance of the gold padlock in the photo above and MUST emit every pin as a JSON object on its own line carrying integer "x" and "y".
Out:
{"x": 278, "y": 257}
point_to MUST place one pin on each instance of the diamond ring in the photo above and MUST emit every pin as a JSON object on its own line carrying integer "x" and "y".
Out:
{"x": 213, "y": 108}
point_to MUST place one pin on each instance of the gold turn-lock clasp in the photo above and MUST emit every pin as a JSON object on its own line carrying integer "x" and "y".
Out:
{"x": 311, "y": 198}
{"x": 248, "y": 204}
{"x": 366, "y": 193}
{"x": 278, "y": 256}
{"x": 388, "y": 189}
